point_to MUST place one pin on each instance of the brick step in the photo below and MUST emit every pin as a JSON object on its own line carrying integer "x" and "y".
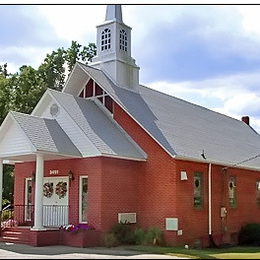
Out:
{"x": 15, "y": 241}
{"x": 12, "y": 233}
{"x": 16, "y": 235}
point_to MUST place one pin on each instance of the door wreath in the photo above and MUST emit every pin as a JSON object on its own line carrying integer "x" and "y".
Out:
{"x": 61, "y": 189}
{"x": 47, "y": 189}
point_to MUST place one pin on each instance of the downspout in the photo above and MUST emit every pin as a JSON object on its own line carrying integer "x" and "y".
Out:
{"x": 210, "y": 202}
{"x": 211, "y": 240}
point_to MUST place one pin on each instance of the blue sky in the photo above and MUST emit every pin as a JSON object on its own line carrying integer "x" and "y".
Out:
{"x": 206, "y": 54}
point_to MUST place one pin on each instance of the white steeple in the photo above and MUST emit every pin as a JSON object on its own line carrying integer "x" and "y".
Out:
{"x": 114, "y": 50}
{"x": 114, "y": 13}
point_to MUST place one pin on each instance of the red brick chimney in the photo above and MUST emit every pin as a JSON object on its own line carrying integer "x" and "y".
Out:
{"x": 245, "y": 119}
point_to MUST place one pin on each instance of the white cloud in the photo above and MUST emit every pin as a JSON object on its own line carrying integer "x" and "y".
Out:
{"x": 74, "y": 22}
{"x": 30, "y": 56}
{"x": 251, "y": 18}
{"x": 242, "y": 102}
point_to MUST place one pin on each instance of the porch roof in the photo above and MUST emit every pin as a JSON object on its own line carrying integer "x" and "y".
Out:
{"x": 22, "y": 136}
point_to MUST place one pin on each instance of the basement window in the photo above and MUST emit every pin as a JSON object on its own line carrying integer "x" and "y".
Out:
{"x": 232, "y": 192}
{"x": 198, "y": 190}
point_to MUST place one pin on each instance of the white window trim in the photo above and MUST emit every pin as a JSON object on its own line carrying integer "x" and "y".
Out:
{"x": 80, "y": 198}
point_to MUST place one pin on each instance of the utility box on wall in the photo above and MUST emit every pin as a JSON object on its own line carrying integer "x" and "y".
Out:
{"x": 127, "y": 217}
{"x": 171, "y": 224}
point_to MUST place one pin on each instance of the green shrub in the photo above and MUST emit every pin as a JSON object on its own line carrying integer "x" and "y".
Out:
{"x": 111, "y": 240}
{"x": 123, "y": 233}
{"x": 139, "y": 236}
{"x": 249, "y": 235}
{"x": 154, "y": 236}
{"x": 6, "y": 215}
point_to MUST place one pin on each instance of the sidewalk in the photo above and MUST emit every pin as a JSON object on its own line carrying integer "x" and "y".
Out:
{"x": 18, "y": 251}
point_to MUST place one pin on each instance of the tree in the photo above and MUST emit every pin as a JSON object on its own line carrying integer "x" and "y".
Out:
{"x": 57, "y": 65}
{"x": 8, "y": 184}
{"x": 5, "y": 96}
{"x": 3, "y": 70}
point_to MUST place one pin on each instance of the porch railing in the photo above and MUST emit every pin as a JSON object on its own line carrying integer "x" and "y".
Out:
{"x": 23, "y": 215}
{"x": 17, "y": 215}
{"x": 55, "y": 215}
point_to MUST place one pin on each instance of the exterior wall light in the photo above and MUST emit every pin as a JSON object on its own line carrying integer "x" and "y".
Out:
{"x": 71, "y": 176}
{"x": 33, "y": 176}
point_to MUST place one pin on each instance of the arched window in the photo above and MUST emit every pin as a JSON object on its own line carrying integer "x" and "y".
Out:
{"x": 123, "y": 40}
{"x": 105, "y": 39}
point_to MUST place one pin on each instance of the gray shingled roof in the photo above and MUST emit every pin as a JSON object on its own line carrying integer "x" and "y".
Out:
{"x": 46, "y": 135}
{"x": 107, "y": 136}
{"x": 185, "y": 129}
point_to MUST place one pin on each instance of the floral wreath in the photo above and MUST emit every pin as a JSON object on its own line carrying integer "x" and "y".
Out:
{"x": 47, "y": 189}
{"x": 61, "y": 189}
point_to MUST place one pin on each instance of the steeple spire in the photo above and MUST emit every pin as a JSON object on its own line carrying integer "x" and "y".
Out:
{"x": 114, "y": 13}
{"x": 114, "y": 50}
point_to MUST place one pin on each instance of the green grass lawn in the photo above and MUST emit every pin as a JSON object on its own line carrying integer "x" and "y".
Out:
{"x": 208, "y": 253}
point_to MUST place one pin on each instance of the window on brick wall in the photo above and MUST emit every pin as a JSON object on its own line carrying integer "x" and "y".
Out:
{"x": 232, "y": 192}
{"x": 198, "y": 190}
{"x": 258, "y": 194}
{"x": 28, "y": 199}
{"x": 83, "y": 199}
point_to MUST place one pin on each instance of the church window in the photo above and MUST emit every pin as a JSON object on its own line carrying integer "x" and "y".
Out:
{"x": 232, "y": 192}
{"x": 123, "y": 40}
{"x": 105, "y": 39}
{"x": 198, "y": 190}
{"x": 83, "y": 199}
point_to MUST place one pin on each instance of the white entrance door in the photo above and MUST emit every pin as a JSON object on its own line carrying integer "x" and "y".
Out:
{"x": 55, "y": 201}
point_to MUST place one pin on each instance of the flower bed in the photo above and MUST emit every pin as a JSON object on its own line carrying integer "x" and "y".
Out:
{"x": 80, "y": 235}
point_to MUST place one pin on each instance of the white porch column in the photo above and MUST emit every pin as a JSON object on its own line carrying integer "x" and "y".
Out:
{"x": 38, "y": 192}
{"x": 1, "y": 183}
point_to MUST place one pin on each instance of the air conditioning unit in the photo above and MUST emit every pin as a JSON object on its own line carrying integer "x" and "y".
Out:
{"x": 127, "y": 217}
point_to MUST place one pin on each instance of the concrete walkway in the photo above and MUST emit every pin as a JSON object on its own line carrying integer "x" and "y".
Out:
{"x": 18, "y": 251}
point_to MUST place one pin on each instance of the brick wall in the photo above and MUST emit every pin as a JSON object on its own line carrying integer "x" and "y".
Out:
{"x": 157, "y": 180}
{"x": 163, "y": 194}
{"x": 120, "y": 192}
{"x": 154, "y": 190}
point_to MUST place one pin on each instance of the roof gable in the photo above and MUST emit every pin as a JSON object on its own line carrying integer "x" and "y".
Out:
{"x": 185, "y": 130}
{"x": 107, "y": 136}
{"x": 26, "y": 134}
{"x": 13, "y": 139}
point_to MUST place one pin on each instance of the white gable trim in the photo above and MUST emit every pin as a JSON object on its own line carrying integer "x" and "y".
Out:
{"x": 13, "y": 140}
{"x": 42, "y": 104}
{"x": 78, "y": 77}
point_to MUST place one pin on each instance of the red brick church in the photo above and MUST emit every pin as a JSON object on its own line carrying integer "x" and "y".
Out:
{"x": 108, "y": 149}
